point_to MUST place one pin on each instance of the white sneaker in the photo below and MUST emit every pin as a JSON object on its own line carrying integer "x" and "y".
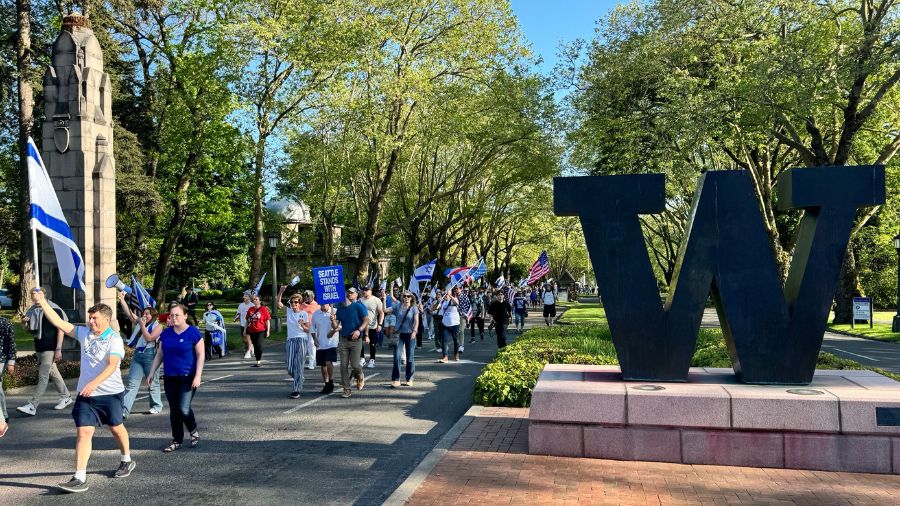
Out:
{"x": 462, "y": 349}
{"x": 247, "y": 355}
{"x": 154, "y": 411}
{"x": 362, "y": 362}
{"x": 371, "y": 363}
{"x": 28, "y": 409}
{"x": 63, "y": 403}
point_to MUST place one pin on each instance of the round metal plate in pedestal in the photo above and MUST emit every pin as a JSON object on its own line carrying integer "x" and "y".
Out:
{"x": 805, "y": 391}
{"x": 648, "y": 388}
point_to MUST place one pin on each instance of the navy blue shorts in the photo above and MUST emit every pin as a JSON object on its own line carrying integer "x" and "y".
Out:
{"x": 98, "y": 410}
{"x": 327, "y": 355}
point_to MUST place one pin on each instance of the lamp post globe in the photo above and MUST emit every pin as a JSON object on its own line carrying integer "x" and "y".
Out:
{"x": 895, "y": 326}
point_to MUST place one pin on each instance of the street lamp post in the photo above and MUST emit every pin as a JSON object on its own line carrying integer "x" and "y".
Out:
{"x": 274, "y": 239}
{"x": 895, "y": 327}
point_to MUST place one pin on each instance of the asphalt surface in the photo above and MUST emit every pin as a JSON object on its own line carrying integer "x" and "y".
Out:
{"x": 258, "y": 446}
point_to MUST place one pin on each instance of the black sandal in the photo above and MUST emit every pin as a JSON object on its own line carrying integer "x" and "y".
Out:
{"x": 172, "y": 447}
{"x": 195, "y": 438}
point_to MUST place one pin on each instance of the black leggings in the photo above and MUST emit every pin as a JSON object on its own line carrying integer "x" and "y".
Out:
{"x": 472, "y": 323}
{"x": 179, "y": 393}
{"x": 257, "y": 340}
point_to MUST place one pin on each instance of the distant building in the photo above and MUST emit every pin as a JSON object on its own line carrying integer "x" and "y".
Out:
{"x": 304, "y": 245}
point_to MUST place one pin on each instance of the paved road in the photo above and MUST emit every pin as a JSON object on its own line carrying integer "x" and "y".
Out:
{"x": 259, "y": 446}
{"x": 885, "y": 355}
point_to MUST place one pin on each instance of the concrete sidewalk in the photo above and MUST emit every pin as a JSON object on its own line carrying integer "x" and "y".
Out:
{"x": 489, "y": 464}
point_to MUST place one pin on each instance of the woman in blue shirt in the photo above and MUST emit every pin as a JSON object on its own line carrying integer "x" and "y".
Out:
{"x": 181, "y": 352}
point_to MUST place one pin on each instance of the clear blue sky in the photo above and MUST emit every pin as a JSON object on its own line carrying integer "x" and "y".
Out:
{"x": 546, "y": 23}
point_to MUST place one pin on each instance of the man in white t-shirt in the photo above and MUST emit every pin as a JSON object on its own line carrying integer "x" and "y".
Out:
{"x": 326, "y": 341}
{"x": 376, "y": 318}
{"x": 242, "y": 316}
{"x": 100, "y": 389}
{"x": 297, "y": 325}
{"x": 549, "y": 299}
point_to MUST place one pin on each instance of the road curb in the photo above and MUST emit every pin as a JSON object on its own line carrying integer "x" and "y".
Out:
{"x": 412, "y": 482}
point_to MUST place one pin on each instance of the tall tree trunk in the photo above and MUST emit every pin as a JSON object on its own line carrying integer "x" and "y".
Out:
{"x": 259, "y": 224}
{"x": 373, "y": 214}
{"x": 26, "y": 123}
{"x": 176, "y": 225}
{"x": 848, "y": 287}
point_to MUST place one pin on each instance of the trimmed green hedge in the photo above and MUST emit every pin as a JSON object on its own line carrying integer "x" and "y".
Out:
{"x": 509, "y": 379}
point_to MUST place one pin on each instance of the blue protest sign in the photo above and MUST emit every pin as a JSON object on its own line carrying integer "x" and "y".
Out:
{"x": 329, "y": 284}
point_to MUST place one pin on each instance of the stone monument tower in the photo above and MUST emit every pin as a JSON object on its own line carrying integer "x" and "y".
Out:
{"x": 77, "y": 150}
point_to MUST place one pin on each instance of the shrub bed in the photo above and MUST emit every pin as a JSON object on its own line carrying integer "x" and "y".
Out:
{"x": 26, "y": 370}
{"x": 509, "y": 379}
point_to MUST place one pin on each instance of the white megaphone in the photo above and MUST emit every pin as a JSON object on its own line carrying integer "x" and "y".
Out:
{"x": 114, "y": 281}
{"x": 295, "y": 280}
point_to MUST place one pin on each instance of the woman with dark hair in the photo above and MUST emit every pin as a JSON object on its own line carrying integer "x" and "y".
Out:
{"x": 215, "y": 330}
{"x": 450, "y": 323}
{"x": 258, "y": 321}
{"x": 407, "y": 314}
{"x": 142, "y": 360}
{"x": 181, "y": 352}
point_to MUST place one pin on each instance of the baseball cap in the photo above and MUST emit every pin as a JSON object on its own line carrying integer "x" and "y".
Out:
{"x": 352, "y": 290}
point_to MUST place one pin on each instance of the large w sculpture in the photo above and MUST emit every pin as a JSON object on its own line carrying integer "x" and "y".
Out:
{"x": 773, "y": 334}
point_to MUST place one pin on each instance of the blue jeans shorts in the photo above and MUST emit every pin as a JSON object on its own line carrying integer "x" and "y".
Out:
{"x": 98, "y": 410}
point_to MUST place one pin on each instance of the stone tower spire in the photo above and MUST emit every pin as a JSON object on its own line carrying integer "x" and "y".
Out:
{"x": 77, "y": 150}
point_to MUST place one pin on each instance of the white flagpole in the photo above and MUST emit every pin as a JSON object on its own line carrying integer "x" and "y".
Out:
{"x": 36, "y": 267}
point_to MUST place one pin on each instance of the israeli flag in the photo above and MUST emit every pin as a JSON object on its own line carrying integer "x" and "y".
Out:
{"x": 47, "y": 217}
{"x": 425, "y": 272}
{"x": 500, "y": 282}
{"x": 259, "y": 285}
{"x": 413, "y": 285}
{"x": 143, "y": 296}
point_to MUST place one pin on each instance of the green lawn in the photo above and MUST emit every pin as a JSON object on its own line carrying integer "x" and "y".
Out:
{"x": 879, "y": 331}
{"x": 24, "y": 340}
{"x": 584, "y": 312}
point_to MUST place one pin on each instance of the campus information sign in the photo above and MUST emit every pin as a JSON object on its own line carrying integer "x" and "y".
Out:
{"x": 329, "y": 284}
{"x": 862, "y": 311}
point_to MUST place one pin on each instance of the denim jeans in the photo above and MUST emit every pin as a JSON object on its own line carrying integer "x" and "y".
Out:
{"x": 140, "y": 367}
{"x": 179, "y": 393}
{"x": 404, "y": 341}
{"x": 450, "y": 332}
{"x": 46, "y": 372}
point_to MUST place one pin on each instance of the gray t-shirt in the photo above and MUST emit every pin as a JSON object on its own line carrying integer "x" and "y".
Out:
{"x": 95, "y": 353}
{"x": 373, "y": 306}
{"x": 405, "y": 318}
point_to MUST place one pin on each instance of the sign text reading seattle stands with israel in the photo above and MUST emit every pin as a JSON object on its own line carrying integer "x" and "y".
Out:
{"x": 329, "y": 284}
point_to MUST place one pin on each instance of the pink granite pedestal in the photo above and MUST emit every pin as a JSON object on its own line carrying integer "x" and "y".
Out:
{"x": 842, "y": 421}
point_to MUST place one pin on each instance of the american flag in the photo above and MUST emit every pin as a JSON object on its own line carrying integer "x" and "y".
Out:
{"x": 510, "y": 295}
{"x": 465, "y": 306}
{"x": 539, "y": 269}
{"x": 479, "y": 270}
{"x": 457, "y": 275}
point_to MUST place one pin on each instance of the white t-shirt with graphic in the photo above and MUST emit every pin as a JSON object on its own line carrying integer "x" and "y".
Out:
{"x": 294, "y": 330}
{"x": 95, "y": 353}
{"x": 242, "y": 312}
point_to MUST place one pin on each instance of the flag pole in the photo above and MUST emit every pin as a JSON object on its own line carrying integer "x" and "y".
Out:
{"x": 37, "y": 266}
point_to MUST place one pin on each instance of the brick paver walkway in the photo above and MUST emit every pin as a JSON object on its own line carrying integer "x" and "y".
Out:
{"x": 489, "y": 464}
